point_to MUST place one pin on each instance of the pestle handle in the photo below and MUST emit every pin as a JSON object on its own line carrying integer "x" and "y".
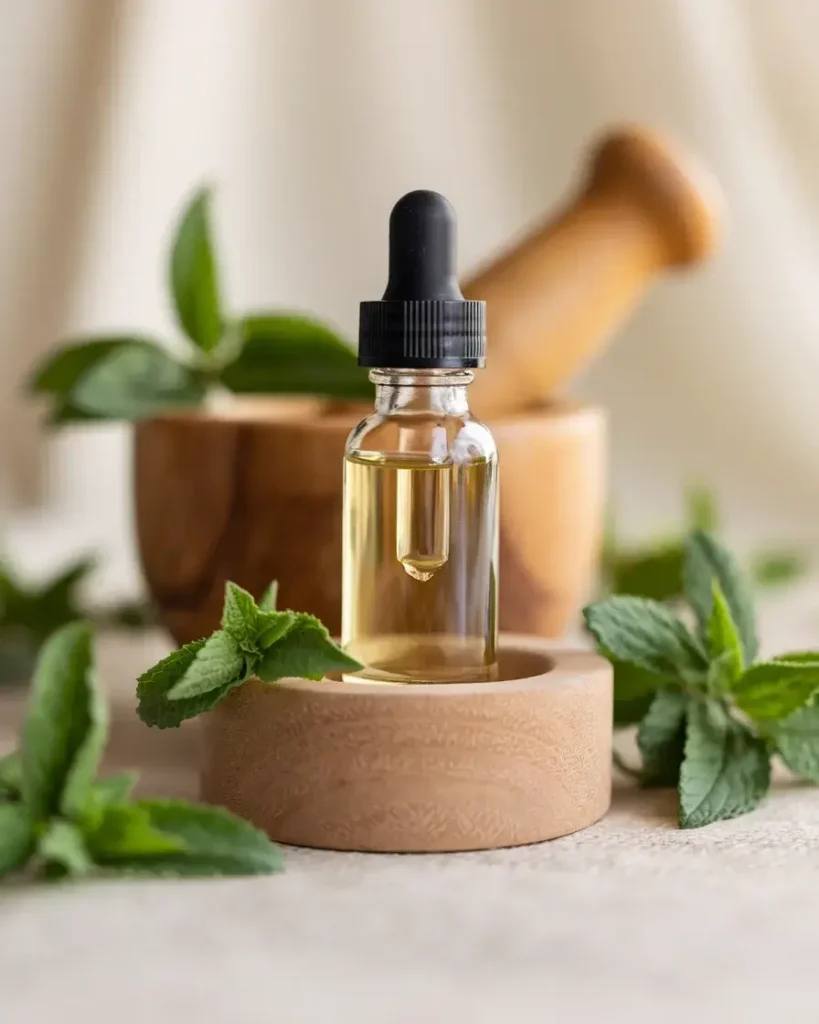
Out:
{"x": 556, "y": 296}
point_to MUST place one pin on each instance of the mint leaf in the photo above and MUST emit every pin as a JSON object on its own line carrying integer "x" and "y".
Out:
{"x": 127, "y": 831}
{"x": 63, "y": 847}
{"x": 136, "y": 382}
{"x": 645, "y": 633}
{"x": 11, "y": 776}
{"x": 239, "y": 614}
{"x": 153, "y": 686}
{"x": 661, "y": 737}
{"x": 634, "y": 690}
{"x": 702, "y": 508}
{"x": 724, "y": 642}
{"x": 273, "y": 626}
{"x": 653, "y": 574}
{"x": 193, "y": 275}
{"x": 775, "y": 689}
{"x": 726, "y": 769}
{"x": 305, "y": 651}
{"x": 114, "y": 789}
{"x": 60, "y": 371}
{"x": 774, "y": 568}
{"x": 16, "y": 837}
{"x": 253, "y": 628}
{"x": 217, "y": 664}
{"x": 706, "y": 561}
{"x": 58, "y": 722}
{"x": 291, "y": 353}
{"x": 267, "y": 602}
{"x": 797, "y": 741}
{"x": 214, "y": 843}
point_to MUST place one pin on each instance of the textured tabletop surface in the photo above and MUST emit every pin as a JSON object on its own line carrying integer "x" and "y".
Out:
{"x": 630, "y": 920}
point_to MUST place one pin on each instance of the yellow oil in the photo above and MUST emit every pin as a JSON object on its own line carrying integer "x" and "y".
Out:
{"x": 420, "y": 568}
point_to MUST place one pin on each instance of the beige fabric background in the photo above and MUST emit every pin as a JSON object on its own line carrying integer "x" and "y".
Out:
{"x": 312, "y": 117}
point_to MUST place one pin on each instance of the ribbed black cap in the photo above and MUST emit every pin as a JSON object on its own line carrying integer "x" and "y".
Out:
{"x": 423, "y": 321}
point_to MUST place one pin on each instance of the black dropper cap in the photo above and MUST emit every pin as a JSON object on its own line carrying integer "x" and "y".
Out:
{"x": 423, "y": 321}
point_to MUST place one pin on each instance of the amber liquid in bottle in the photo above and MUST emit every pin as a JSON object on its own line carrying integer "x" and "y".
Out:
{"x": 420, "y": 536}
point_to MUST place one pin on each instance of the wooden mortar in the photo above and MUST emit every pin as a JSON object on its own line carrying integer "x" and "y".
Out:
{"x": 253, "y": 494}
{"x": 415, "y": 769}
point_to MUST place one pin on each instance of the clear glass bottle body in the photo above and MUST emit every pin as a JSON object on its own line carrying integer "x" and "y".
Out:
{"x": 420, "y": 535}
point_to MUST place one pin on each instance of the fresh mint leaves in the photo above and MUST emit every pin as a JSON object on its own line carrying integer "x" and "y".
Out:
{"x": 726, "y": 768}
{"x": 709, "y": 718}
{"x": 133, "y": 377}
{"x": 255, "y": 639}
{"x": 656, "y": 569}
{"x": 57, "y": 820}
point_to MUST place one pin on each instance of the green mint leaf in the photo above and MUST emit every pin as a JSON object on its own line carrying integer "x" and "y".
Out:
{"x": 305, "y": 651}
{"x": 267, "y": 602}
{"x": 60, "y": 372}
{"x": 797, "y": 741}
{"x": 295, "y": 354}
{"x": 194, "y": 275}
{"x": 57, "y": 602}
{"x": 16, "y": 837}
{"x": 153, "y": 686}
{"x": 114, "y": 789}
{"x": 60, "y": 732}
{"x": 253, "y": 628}
{"x": 775, "y": 689}
{"x": 645, "y": 633}
{"x": 634, "y": 690}
{"x": 799, "y": 657}
{"x": 217, "y": 664}
{"x": 724, "y": 641}
{"x": 656, "y": 575}
{"x": 214, "y": 843}
{"x": 63, "y": 848}
{"x": 136, "y": 382}
{"x": 775, "y": 568}
{"x": 80, "y": 778}
{"x": 706, "y": 561}
{"x": 11, "y": 776}
{"x": 239, "y": 614}
{"x": 702, "y": 508}
{"x": 726, "y": 770}
{"x": 661, "y": 737}
{"x": 721, "y": 675}
{"x": 126, "y": 831}
{"x": 273, "y": 626}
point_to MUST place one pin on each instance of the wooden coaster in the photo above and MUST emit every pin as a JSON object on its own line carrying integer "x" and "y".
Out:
{"x": 463, "y": 766}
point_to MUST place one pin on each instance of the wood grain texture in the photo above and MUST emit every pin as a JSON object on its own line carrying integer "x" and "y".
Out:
{"x": 555, "y": 296}
{"x": 249, "y": 494}
{"x": 419, "y": 769}
{"x": 256, "y": 495}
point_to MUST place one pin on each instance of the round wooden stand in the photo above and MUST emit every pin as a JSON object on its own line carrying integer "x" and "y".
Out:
{"x": 470, "y": 766}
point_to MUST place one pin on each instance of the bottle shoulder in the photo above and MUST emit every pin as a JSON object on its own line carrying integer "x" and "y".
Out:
{"x": 439, "y": 437}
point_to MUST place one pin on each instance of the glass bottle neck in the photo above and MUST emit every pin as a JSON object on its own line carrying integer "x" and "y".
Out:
{"x": 441, "y": 391}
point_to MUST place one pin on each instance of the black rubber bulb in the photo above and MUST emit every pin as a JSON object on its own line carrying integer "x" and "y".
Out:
{"x": 422, "y": 249}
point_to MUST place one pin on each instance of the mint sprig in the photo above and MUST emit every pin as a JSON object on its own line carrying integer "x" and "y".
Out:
{"x": 133, "y": 377}
{"x": 58, "y": 820}
{"x": 709, "y": 717}
{"x": 255, "y": 640}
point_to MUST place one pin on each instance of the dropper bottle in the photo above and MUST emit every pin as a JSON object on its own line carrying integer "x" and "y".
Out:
{"x": 420, "y": 534}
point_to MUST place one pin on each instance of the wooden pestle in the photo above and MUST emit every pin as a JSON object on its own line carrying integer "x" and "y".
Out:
{"x": 556, "y": 296}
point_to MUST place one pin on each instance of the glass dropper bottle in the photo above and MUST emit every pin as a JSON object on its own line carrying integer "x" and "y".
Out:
{"x": 420, "y": 541}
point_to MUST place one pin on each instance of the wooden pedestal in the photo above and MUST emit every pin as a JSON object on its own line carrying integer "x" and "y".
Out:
{"x": 471, "y": 766}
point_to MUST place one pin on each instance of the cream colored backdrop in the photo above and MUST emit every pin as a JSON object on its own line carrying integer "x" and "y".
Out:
{"x": 312, "y": 117}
